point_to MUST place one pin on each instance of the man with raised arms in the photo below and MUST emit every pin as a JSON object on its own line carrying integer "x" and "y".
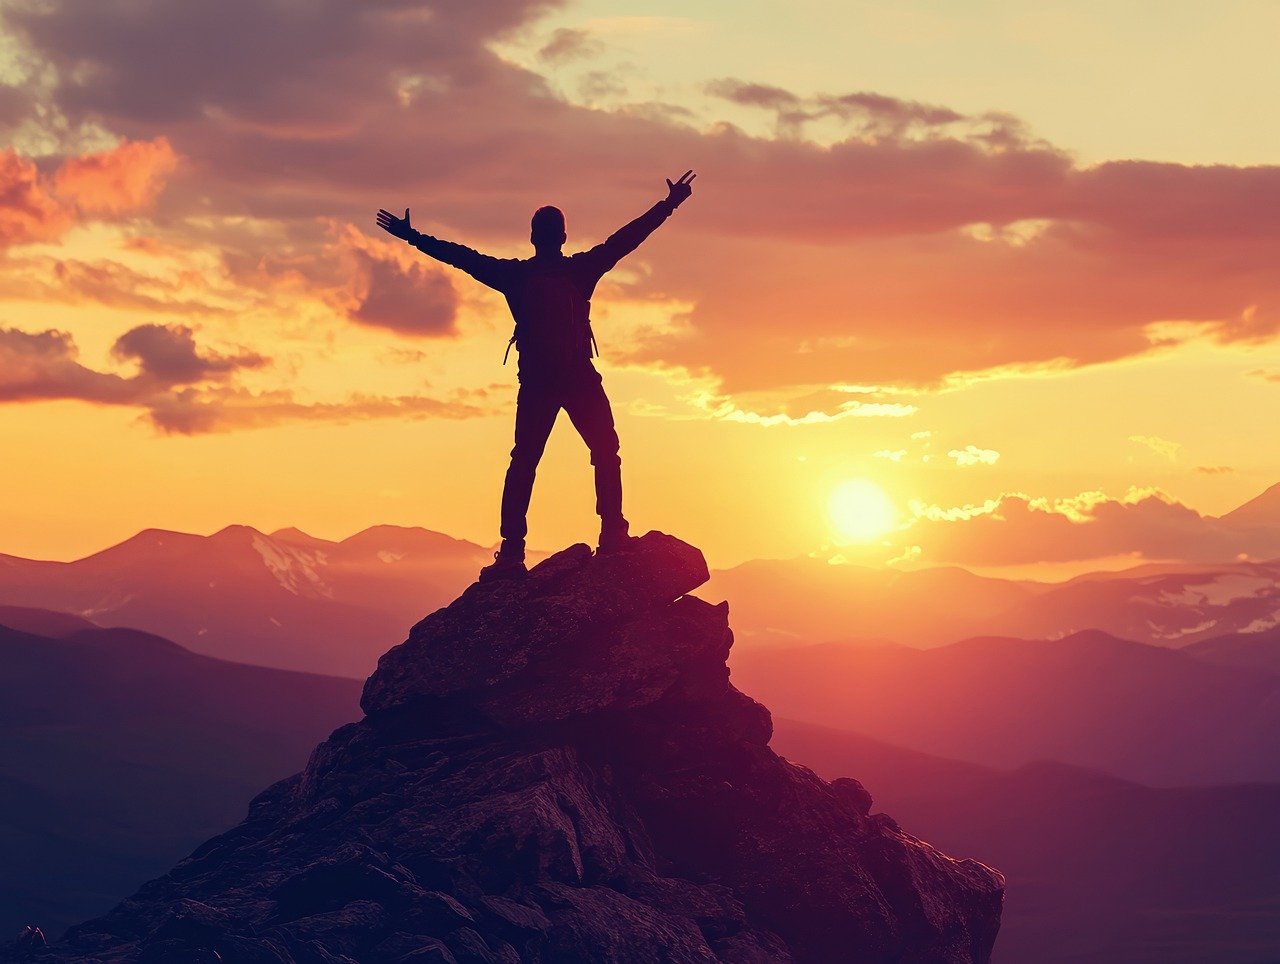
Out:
{"x": 550, "y": 298}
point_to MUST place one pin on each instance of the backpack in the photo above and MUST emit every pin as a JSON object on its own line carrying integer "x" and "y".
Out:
{"x": 552, "y": 318}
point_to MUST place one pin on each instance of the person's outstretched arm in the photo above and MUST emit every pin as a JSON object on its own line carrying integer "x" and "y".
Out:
{"x": 630, "y": 236}
{"x": 484, "y": 268}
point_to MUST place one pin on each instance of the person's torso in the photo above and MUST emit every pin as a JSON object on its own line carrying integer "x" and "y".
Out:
{"x": 550, "y": 302}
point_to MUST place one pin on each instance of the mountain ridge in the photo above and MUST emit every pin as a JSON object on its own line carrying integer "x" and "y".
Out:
{"x": 120, "y": 751}
{"x": 291, "y": 600}
{"x": 1262, "y": 510}
{"x": 1151, "y": 714}
{"x": 243, "y": 595}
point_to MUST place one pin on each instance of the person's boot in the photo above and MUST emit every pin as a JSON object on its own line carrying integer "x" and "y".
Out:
{"x": 508, "y": 563}
{"x": 614, "y": 536}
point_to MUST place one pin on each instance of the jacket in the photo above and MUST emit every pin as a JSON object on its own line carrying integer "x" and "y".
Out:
{"x": 550, "y": 294}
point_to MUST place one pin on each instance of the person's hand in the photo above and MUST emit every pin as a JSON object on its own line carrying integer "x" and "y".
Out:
{"x": 400, "y": 227}
{"x": 677, "y": 193}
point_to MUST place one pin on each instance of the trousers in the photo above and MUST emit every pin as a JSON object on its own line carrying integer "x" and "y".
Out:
{"x": 581, "y": 394}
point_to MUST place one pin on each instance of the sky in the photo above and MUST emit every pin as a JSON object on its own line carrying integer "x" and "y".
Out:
{"x": 1007, "y": 266}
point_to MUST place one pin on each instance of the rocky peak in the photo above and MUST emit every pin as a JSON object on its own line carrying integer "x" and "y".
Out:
{"x": 581, "y": 634}
{"x": 558, "y": 769}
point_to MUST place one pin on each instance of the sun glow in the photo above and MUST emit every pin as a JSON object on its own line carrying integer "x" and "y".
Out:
{"x": 860, "y": 511}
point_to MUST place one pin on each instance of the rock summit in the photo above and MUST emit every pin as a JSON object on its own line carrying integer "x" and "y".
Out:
{"x": 557, "y": 769}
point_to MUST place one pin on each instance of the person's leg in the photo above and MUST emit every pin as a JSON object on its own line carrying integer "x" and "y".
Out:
{"x": 588, "y": 408}
{"x": 536, "y": 409}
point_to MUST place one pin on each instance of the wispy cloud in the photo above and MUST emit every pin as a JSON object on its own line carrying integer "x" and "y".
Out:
{"x": 972, "y": 455}
{"x": 568, "y": 44}
{"x": 1161, "y": 446}
{"x": 182, "y": 389}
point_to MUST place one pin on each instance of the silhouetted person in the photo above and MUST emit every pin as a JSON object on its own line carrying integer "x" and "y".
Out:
{"x": 550, "y": 298}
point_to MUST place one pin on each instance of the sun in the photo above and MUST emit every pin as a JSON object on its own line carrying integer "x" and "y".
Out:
{"x": 860, "y": 511}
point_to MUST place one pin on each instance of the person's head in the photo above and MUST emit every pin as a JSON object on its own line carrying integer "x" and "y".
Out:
{"x": 547, "y": 228}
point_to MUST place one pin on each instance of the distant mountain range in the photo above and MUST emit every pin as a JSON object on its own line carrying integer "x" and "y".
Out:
{"x": 120, "y": 751}
{"x": 1260, "y": 650}
{"x": 1166, "y": 604}
{"x": 1098, "y": 869}
{"x": 1174, "y": 604}
{"x": 285, "y": 599}
{"x": 289, "y": 600}
{"x": 1145, "y": 713}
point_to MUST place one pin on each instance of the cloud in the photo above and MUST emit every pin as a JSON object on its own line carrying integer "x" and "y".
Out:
{"x": 271, "y": 65}
{"x": 416, "y": 298}
{"x": 167, "y": 355}
{"x": 754, "y": 95}
{"x": 28, "y": 210}
{"x": 117, "y": 285}
{"x": 871, "y": 255}
{"x": 43, "y": 365}
{"x": 183, "y": 390}
{"x": 400, "y": 355}
{"x": 972, "y": 455}
{"x": 1215, "y": 469}
{"x": 600, "y": 84}
{"x": 192, "y": 412}
{"x": 152, "y": 278}
{"x": 35, "y": 207}
{"x": 567, "y": 45}
{"x": 128, "y": 177}
{"x": 1161, "y": 446}
{"x": 869, "y": 113}
{"x": 1015, "y": 529}
{"x": 823, "y": 405}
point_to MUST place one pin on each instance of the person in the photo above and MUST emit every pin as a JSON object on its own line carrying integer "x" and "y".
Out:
{"x": 549, "y": 296}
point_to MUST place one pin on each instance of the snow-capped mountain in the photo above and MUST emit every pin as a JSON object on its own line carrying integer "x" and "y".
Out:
{"x": 283, "y": 599}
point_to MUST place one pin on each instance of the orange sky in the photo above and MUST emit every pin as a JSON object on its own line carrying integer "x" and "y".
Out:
{"x": 893, "y": 268}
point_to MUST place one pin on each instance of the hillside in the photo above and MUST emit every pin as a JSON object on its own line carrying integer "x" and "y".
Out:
{"x": 1145, "y": 713}
{"x": 1258, "y": 650}
{"x": 1262, "y": 511}
{"x": 119, "y": 751}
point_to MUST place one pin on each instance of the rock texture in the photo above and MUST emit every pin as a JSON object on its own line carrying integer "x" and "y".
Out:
{"x": 558, "y": 769}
